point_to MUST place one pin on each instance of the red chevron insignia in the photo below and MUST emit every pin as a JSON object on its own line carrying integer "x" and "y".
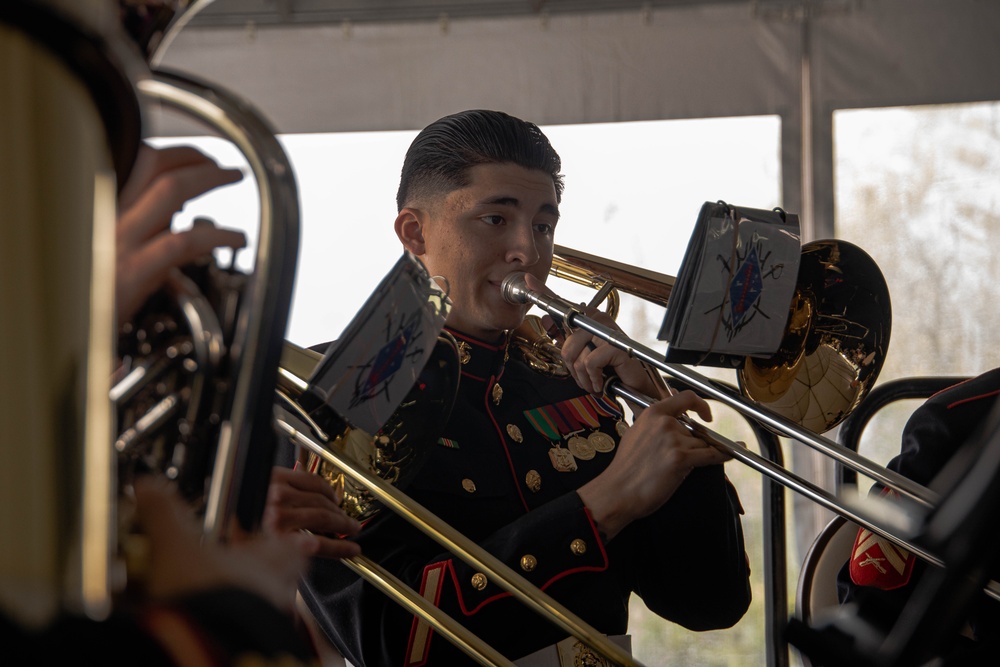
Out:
{"x": 877, "y": 562}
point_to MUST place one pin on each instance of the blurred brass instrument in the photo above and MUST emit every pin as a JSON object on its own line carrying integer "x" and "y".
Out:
{"x": 59, "y": 177}
{"x": 200, "y": 363}
{"x": 193, "y": 397}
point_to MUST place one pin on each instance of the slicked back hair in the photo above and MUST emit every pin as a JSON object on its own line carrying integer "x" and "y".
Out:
{"x": 439, "y": 159}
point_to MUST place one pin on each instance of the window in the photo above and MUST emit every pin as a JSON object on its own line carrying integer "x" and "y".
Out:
{"x": 919, "y": 189}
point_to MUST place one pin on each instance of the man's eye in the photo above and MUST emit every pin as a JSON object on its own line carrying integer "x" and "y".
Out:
{"x": 492, "y": 219}
{"x": 543, "y": 228}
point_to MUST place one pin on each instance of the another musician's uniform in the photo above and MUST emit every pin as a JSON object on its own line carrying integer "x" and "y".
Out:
{"x": 504, "y": 472}
{"x": 932, "y": 435}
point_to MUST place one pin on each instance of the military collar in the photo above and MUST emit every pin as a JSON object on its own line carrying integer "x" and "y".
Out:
{"x": 479, "y": 358}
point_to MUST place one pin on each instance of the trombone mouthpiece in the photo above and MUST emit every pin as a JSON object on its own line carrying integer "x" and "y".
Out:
{"x": 514, "y": 289}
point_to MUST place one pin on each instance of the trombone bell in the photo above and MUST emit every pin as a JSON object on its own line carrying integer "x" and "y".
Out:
{"x": 836, "y": 340}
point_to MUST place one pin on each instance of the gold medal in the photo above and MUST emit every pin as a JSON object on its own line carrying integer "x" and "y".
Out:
{"x": 601, "y": 441}
{"x": 515, "y": 433}
{"x": 562, "y": 459}
{"x": 580, "y": 447}
{"x": 621, "y": 427}
{"x": 497, "y": 393}
{"x": 464, "y": 352}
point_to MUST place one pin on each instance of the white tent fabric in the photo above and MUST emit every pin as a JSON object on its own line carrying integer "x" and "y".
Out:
{"x": 799, "y": 60}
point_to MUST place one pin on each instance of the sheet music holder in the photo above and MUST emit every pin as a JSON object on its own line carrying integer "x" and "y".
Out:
{"x": 734, "y": 287}
{"x": 367, "y": 372}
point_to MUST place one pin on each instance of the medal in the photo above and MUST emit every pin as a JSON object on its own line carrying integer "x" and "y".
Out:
{"x": 562, "y": 459}
{"x": 621, "y": 427}
{"x": 601, "y": 441}
{"x": 533, "y": 480}
{"x": 464, "y": 352}
{"x": 580, "y": 447}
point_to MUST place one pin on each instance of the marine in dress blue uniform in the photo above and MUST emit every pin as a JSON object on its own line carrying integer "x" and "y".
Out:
{"x": 504, "y": 472}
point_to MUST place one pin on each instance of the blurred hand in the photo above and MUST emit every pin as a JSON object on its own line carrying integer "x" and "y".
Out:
{"x": 268, "y": 565}
{"x": 654, "y": 457}
{"x": 298, "y": 500}
{"x": 162, "y": 181}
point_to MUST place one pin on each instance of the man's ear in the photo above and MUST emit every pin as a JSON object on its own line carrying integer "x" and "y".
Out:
{"x": 410, "y": 230}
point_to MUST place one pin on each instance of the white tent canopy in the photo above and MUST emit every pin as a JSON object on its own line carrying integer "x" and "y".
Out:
{"x": 324, "y": 72}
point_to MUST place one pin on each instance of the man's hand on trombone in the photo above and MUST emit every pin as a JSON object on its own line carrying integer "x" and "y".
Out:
{"x": 657, "y": 453}
{"x": 299, "y": 500}
{"x": 654, "y": 456}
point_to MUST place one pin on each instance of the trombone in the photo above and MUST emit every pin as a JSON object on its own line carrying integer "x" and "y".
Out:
{"x": 887, "y": 520}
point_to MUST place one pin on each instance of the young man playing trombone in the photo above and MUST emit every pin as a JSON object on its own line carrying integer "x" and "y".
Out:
{"x": 537, "y": 468}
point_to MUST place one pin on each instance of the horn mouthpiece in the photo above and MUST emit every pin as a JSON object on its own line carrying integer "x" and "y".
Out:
{"x": 514, "y": 288}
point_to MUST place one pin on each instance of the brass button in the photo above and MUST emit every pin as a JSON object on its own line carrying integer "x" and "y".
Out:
{"x": 515, "y": 433}
{"x": 533, "y": 480}
{"x": 469, "y": 485}
{"x": 497, "y": 393}
{"x": 479, "y": 581}
{"x": 578, "y": 547}
{"x": 528, "y": 562}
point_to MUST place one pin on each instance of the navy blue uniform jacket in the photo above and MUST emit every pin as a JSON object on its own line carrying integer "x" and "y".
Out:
{"x": 490, "y": 476}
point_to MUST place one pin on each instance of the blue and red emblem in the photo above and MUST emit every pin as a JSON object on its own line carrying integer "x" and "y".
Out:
{"x": 745, "y": 289}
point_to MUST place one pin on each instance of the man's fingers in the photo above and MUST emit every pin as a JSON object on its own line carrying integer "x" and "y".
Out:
{"x": 152, "y": 161}
{"x": 147, "y": 267}
{"x": 152, "y": 210}
{"x": 327, "y": 547}
{"x": 305, "y": 481}
{"x": 161, "y": 511}
{"x": 314, "y": 519}
{"x": 679, "y": 403}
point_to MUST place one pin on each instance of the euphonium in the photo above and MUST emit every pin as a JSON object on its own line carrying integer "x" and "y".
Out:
{"x": 195, "y": 397}
{"x": 194, "y": 393}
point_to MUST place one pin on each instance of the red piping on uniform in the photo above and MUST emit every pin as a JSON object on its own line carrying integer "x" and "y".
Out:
{"x": 973, "y": 398}
{"x": 561, "y": 575}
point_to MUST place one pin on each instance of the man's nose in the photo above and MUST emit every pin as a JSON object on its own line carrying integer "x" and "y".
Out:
{"x": 522, "y": 246}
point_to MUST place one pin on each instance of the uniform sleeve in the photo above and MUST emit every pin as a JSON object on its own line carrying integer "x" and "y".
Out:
{"x": 928, "y": 440}
{"x": 932, "y": 435}
{"x": 688, "y": 560}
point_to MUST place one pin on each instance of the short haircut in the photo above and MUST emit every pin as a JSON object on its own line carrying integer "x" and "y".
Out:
{"x": 439, "y": 159}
